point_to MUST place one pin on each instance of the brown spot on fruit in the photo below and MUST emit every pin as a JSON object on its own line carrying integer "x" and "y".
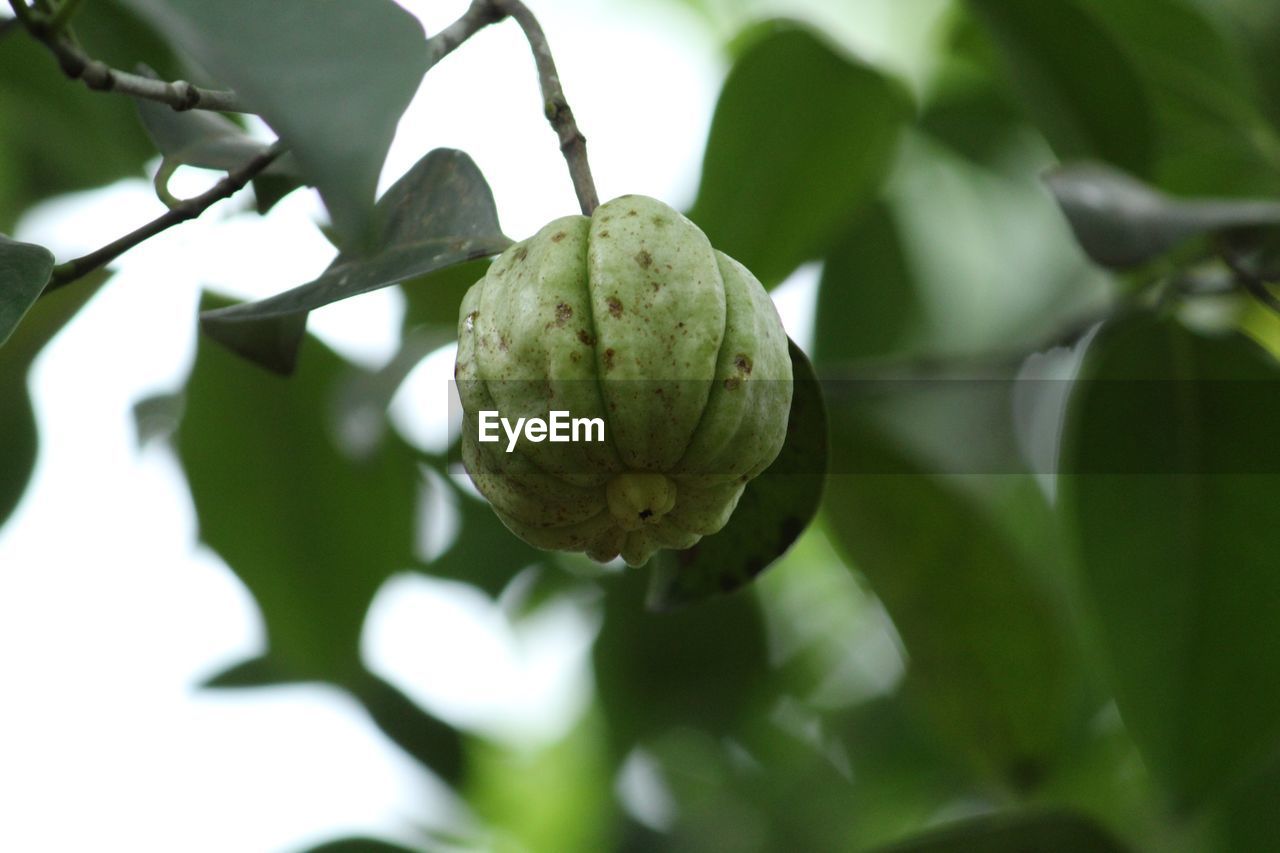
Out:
{"x": 632, "y": 213}
{"x": 503, "y": 343}
{"x": 604, "y": 233}
{"x": 586, "y": 338}
{"x": 615, "y": 306}
{"x": 608, "y": 359}
{"x": 743, "y": 363}
{"x": 661, "y": 221}
{"x": 575, "y": 356}
{"x": 558, "y": 236}
{"x": 521, "y": 253}
{"x": 563, "y": 313}
{"x": 644, "y": 259}
{"x": 732, "y": 383}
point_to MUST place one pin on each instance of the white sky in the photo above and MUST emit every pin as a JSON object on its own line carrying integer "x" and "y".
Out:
{"x": 110, "y": 612}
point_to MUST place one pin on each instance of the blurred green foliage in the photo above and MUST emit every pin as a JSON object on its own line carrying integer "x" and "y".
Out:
{"x": 962, "y": 653}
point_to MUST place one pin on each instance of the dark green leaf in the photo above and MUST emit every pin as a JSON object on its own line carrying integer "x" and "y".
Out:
{"x": 24, "y": 271}
{"x": 774, "y": 510}
{"x": 433, "y": 299}
{"x": 1245, "y": 822}
{"x": 868, "y": 304}
{"x": 310, "y": 530}
{"x": 18, "y": 438}
{"x": 1051, "y": 832}
{"x": 1121, "y": 222}
{"x": 1171, "y": 475}
{"x": 331, "y": 77}
{"x": 992, "y": 659}
{"x": 801, "y": 139}
{"x": 1077, "y": 84}
{"x": 439, "y": 214}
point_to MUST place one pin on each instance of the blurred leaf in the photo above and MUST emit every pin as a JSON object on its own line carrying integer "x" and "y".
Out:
{"x": 360, "y": 845}
{"x": 156, "y": 417}
{"x": 1075, "y": 82}
{"x": 773, "y": 511}
{"x": 1169, "y": 489}
{"x": 331, "y": 77}
{"x": 439, "y": 213}
{"x": 44, "y": 116}
{"x": 312, "y": 532}
{"x": 1213, "y": 137}
{"x": 991, "y": 657}
{"x": 435, "y": 744}
{"x": 703, "y": 667}
{"x": 1121, "y": 222}
{"x": 556, "y": 798}
{"x": 484, "y": 554}
{"x": 1246, "y": 822}
{"x": 868, "y": 304}
{"x": 801, "y": 139}
{"x": 1050, "y": 832}
{"x": 261, "y": 671}
{"x": 24, "y": 271}
{"x": 18, "y": 438}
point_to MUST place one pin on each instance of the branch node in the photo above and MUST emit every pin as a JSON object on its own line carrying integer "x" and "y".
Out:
{"x": 185, "y": 96}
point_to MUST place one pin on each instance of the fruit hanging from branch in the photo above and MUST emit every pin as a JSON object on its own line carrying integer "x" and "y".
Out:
{"x": 631, "y": 320}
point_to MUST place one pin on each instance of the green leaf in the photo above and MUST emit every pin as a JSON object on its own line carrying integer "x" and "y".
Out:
{"x": 24, "y": 271}
{"x": 312, "y": 531}
{"x": 439, "y": 213}
{"x": 484, "y": 554}
{"x": 704, "y": 667}
{"x": 433, "y": 300}
{"x": 1213, "y": 137}
{"x": 773, "y": 511}
{"x": 993, "y": 661}
{"x": 197, "y": 137}
{"x": 331, "y": 77}
{"x": 44, "y": 115}
{"x": 1121, "y": 222}
{"x": 1246, "y": 822}
{"x": 801, "y": 138}
{"x": 1048, "y": 832}
{"x": 868, "y": 304}
{"x": 18, "y": 437}
{"x": 1170, "y": 474}
{"x": 1076, "y": 83}
{"x": 210, "y": 140}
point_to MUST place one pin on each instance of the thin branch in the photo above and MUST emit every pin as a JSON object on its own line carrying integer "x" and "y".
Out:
{"x": 99, "y": 76}
{"x": 572, "y": 143}
{"x": 188, "y": 209}
{"x": 479, "y": 15}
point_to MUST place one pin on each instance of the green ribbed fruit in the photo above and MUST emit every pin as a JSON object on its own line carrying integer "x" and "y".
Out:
{"x": 632, "y": 317}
